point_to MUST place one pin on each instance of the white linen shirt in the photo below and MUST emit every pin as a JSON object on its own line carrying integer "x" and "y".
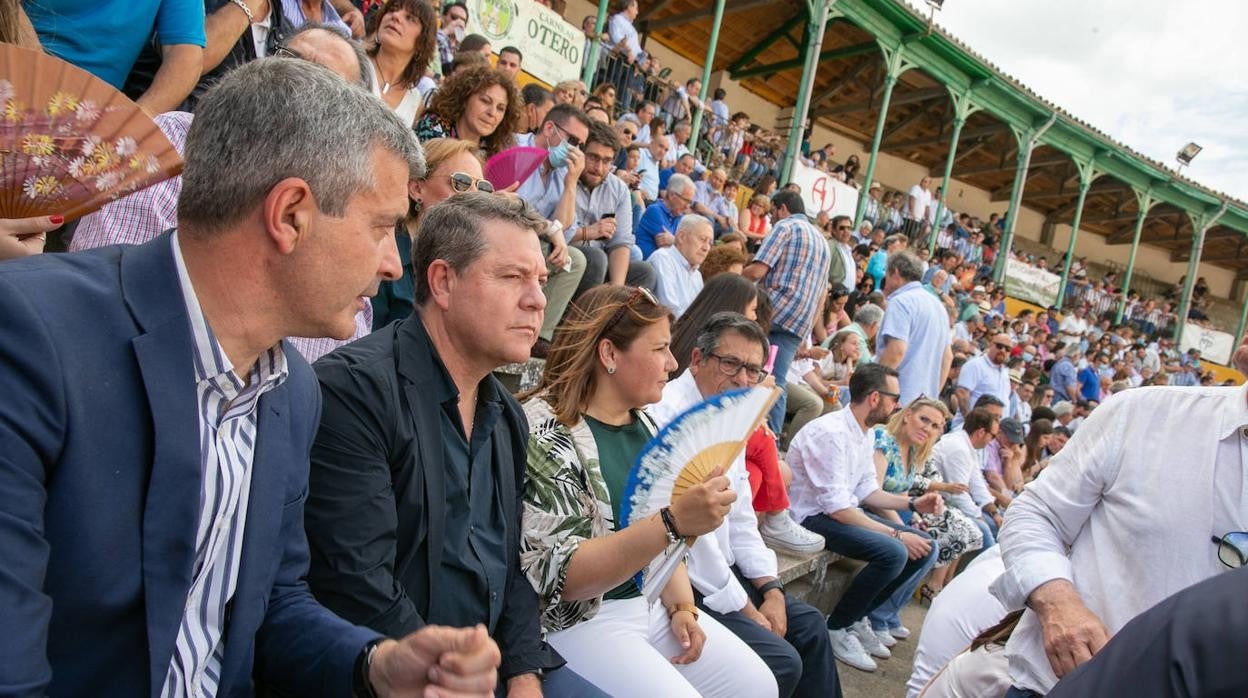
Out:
{"x": 959, "y": 461}
{"x": 736, "y": 541}
{"x": 679, "y": 281}
{"x": 833, "y": 465}
{"x": 1134, "y": 497}
{"x": 980, "y": 376}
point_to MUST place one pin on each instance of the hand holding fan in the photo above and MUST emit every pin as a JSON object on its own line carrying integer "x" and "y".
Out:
{"x": 513, "y": 165}
{"x": 70, "y": 142}
{"x": 683, "y": 454}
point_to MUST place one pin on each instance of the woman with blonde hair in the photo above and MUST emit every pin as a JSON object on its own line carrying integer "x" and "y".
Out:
{"x": 605, "y": 93}
{"x": 753, "y": 218}
{"x": 610, "y": 358}
{"x": 478, "y": 104}
{"x": 903, "y": 465}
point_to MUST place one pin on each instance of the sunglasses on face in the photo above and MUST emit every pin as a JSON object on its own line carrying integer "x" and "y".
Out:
{"x": 462, "y": 182}
{"x": 1233, "y": 549}
{"x": 572, "y": 140}
{"x": 1002, "y": 347}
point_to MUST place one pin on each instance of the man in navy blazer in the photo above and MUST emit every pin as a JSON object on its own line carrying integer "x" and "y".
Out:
{"x": 109, "y": 562}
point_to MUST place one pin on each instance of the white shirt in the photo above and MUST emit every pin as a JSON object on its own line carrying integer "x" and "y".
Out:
{"x": 1073, "y": 326}
{"x": 736, "y": 541}
{"x": 959, "y": 461}
{"x": 960, "y": 332}
{"x": 679, "y": 281}
{"x": 982, "y": 377}
{"x": 833, "y": 466}
{"x": 1134, "y": 497}
{"x": 407, "y": 107}
{"x": 916, "y": 205}
{"x": 621, "y": 31}
{"x": 962, "y": 611}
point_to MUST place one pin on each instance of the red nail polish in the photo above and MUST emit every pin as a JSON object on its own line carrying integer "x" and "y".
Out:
{"x": 56, "y": 220}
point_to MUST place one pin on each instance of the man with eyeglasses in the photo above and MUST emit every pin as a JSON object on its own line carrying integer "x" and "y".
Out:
{"x": 986, "y": 374}
{"x": 833, "y": 477}
{"x": 1120, "y": 519}
{"x": 842, "y": 271}
{"x": 658, "y": 223}
{"x": 734, "y": 574}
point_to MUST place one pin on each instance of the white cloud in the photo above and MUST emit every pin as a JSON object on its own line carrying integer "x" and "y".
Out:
{"x": 1153, "y": 74}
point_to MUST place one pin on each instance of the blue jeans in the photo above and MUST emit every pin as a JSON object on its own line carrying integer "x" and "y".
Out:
{"x": 889, "y": 566}
{"x": 562, "y": 683}
{"x": 786, "y": 349}
{"x": 989, "y": 528}
{"x": 888, "y": 614}
{"x": 1020, "y": 693}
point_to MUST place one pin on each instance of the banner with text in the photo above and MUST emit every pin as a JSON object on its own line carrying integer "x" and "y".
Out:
{"x": 1030, "y": 283}
{"x": 823, "y": 193}
{"x": 1214, "y": 346}
{"x": 551, "y": 47}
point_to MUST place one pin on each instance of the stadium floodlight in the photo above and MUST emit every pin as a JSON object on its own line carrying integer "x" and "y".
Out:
{"x": 1187, "y": 153}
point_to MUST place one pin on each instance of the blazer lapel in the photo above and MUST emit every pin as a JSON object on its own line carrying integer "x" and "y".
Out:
{"x": 171, "y": 510}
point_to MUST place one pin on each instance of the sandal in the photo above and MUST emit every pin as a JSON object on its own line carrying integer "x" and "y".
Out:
{"x": 926, "y": 594}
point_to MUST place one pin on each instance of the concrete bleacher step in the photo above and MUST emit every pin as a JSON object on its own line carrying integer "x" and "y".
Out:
{"x": 819, "y": 579}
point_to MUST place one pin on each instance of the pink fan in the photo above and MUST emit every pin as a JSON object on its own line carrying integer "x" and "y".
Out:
{"x": 513, "y": 165}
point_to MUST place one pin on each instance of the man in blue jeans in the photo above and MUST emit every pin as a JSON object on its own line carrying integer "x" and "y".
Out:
{"x": 833, "y": 476}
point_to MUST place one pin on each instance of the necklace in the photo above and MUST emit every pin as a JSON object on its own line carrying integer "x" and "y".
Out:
{"x": 385, "y": 84}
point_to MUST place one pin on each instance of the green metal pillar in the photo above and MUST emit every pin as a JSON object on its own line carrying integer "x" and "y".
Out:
{"x": 1201, "y": 223}
{"x": 1027, "y": 142}
{"x": 1086, "y": 175}
{"x": 818, "y": 11}
{"x": 591, "y": 61}
{"x": 1243, "y": 321}
{"x": 1146, "y": 202}
{"x": 962, "y": 108}
{"x": 706, "y": 74}
{"x": 895, "y": 64}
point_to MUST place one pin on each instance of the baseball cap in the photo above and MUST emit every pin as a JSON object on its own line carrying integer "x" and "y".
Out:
{"x": 1013, "y": 430}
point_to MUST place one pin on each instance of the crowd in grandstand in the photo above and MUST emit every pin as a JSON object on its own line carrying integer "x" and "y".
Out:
{"x": 333, "y": 274}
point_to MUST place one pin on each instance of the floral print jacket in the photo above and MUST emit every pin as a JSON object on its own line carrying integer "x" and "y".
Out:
{"x": 565, "y": 504}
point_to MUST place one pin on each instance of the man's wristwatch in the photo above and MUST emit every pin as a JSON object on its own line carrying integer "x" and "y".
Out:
{"x": 768, "y": 586}
{"x": 678, "y": 607}
{"x": 361, "y": 686}
{"x": 911, "y": 505}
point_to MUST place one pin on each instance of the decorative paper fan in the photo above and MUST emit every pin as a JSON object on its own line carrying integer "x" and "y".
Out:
{"x": 683, "y": 454}
{"x": 70, "y": 142}
{"x": 513, "y": 165}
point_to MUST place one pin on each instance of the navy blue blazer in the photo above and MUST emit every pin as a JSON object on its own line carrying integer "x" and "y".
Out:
{"x": 100, "y": 486}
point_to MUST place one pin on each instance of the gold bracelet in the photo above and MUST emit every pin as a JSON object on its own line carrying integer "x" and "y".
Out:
{"x": 678, "y": 607}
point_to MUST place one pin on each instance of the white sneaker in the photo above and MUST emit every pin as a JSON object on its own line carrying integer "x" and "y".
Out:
{"x": 900, "y": 632}
{"x": 847, "y": 648}
{"x": 886, "y": 638}
{"x": 781, "y": 531}
{"x": 869, "y": 640}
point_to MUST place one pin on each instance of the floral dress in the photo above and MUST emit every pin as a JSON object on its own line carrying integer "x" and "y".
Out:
{"x": 953, "y": 530}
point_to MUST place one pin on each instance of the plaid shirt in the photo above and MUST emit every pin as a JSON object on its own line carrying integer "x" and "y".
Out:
{"x": 145, "y": 214}
{"x": 797, "y": 258}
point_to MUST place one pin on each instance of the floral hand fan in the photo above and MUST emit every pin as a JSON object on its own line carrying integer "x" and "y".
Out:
{"x": 683, "y": 454}
{"x": 70, "y": 142}
{"x": 513, "y": 165}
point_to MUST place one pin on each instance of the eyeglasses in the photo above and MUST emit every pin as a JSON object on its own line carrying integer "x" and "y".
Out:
{"x": 885, "y": 393}
{"x": 730, "y": 366}
{"x": 630, "y": 134}
{"x": 463, "y": 182}
{"x": 844, "y": 227}
{"x": 1002, "y": 346}
{"x": 597, "y": 160}
{"x": 638, "y": 292}
{"x": 1233, "y": 549}
{"x": 283, "y": 51}
{"x": 683, "y": 198}
{"x": 573, "y": 140}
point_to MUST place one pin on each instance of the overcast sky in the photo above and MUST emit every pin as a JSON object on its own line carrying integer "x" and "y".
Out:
{"x": 1153, "y": 74}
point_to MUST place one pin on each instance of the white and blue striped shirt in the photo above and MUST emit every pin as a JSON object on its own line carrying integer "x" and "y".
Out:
{"x": 227, "y": 438}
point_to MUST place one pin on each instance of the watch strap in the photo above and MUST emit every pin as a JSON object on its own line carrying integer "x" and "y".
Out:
{"x": 678, "y": 607}
{"x": 768, "y": 586}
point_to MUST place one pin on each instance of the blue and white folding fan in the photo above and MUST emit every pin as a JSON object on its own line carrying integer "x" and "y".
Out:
{"x": 683, "y": 454}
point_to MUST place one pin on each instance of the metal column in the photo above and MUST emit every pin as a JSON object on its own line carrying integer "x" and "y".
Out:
{"x": 895, "y": 64}
{"x": 706, "y": 75}
{"x": 1146, "y": 202}
{"x": 1086, "y": 175}
{"x": 818, "y": 11}
{"x": 1027, "y": 142}
{"x": 1243, "y": 321}
{"x": 1202, "y": 223}
{"x": 591, "y": 60}
{"x": 962, "y": 108}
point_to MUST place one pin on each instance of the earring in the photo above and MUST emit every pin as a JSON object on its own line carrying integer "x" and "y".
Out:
{"x": 611, "y": 370}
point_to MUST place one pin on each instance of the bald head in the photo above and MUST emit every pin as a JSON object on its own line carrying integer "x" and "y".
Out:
{"x": 999, "y": 351}
{"x": 330, "y": 49}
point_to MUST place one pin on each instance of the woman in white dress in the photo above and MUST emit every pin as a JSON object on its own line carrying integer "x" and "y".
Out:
{"x": 403, "y": 39}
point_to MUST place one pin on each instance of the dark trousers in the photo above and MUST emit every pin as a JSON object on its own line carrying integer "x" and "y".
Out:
{"x": 888, "y": 565}
{"x": 1020, "y": 693}
{"x": 802, "y": 660}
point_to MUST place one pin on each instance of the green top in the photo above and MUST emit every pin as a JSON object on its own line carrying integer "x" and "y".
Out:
{"x": 617, "y": 449}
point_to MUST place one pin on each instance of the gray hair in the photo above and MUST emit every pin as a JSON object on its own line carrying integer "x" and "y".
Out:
{"x": 906, "y": 264}
{"x": 692, "y": 221}
{"x": 452, "y": 231}
{"x": 361, "y": 58}
{"x": 269, "y": 120}
{"x": 679, "y": 183}
{"x": 868, "y": 314}
{"x": 721, "y": 323}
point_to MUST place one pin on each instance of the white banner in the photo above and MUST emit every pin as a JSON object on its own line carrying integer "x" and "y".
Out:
{"x": 823, "y": 193}
{"x": 551, "y": 47}
{"x": 1029, "y": 283}
{"x": 1214, "y": 346}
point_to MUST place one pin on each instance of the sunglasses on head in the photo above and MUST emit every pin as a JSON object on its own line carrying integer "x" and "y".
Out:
{"x": 638, "y": 292}
{"x": 462, "y": 182}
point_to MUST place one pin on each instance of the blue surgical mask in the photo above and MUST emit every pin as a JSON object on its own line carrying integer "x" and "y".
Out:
{"x": 558, "y": 155}
{"x": 1027, "y": 357}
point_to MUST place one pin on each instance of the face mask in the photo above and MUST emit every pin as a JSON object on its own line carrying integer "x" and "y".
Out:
{"x": 558, "y": 155}
{"x": 1027, "y": 357}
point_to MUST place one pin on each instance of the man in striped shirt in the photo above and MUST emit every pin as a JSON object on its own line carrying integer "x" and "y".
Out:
{"x": 155, "y": 428}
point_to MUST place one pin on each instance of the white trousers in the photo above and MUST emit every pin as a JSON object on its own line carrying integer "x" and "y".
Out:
{"x": 626, "y": 650}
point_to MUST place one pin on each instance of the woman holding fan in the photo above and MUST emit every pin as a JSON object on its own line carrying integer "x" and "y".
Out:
{"x": 610, "y": 358}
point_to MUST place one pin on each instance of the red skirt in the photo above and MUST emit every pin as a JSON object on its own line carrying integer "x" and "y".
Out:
{"x": 762, "y": 460}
